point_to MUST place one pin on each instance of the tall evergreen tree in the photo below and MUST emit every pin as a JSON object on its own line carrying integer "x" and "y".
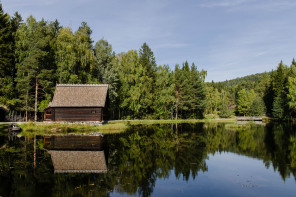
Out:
{"x": 178, "y": 88}
{"x": 8, "y": 27}
{"x": 198, "y": 92}
{"x": 33, "y": 68}
{"x": 6, "y": 44}
{"x": 279, "y": 88}
{"x": 148, "y": 63}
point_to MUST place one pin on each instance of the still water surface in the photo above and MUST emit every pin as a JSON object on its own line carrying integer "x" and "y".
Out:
{"x": 156, "y": 160}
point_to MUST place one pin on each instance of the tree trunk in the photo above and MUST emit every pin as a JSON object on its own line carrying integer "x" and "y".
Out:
{"x": 36, "y": 99}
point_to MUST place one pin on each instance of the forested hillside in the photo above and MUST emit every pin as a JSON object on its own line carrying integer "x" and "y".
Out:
{"x": 37, "y": 55}
{"x": 250, "y": 79}
{"x": 269, "y": 93}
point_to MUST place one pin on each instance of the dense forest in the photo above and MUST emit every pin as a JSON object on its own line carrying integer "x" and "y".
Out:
{"x": 37, "y": 55}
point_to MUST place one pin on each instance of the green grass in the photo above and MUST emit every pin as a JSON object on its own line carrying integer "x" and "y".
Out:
{"x": 235, "y": 126}
{"x": 118, "y": 126}
{"x": 140, "y": 122}
{"x": 31, "y": 129}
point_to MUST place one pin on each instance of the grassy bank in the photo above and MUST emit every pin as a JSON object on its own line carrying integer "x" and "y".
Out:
{"x": 148, "y": 122}
{"x": 248, "y": 125}
{"x": 118, "y": 126}
{"x": 30, "y": 129}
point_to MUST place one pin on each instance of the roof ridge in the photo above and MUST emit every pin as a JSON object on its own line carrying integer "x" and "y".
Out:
{"x": 71, "y": 85}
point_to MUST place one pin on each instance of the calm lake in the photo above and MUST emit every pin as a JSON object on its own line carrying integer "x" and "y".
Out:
{"x": 155, "y": 160}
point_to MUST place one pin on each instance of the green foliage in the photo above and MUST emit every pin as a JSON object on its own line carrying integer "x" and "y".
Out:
{"x": 291, "y": 96}
{"x": 164, "y": 93}
{"x": 147, "y": 79}
{"x": 278, "y": 110}
{"x": 279, "y": 85}
{"x": 190, "y": 91}
{"x": 258, "y": 107}
{"x": 35, "y": 69}
{"x": 106, "y": 71}
{"x": 270, "y": 93}
{"x": 74, "y": 56}
{"x": 43, "y": 104}
{"x": 8, "y": 28}
{"x": 213, "y": 99}
{"x": 130, "y": 73}
{"x": 243, "y": 104}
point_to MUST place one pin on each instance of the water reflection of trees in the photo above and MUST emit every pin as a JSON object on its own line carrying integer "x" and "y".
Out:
{"x": 150, "y": 153}
{"x": 274, "y": 144}
{"x": 137, "y": 158}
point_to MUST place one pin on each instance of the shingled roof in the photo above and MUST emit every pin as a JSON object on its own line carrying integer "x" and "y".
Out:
{"x": 80, "y": 95}
{"x": 78, "y": 161}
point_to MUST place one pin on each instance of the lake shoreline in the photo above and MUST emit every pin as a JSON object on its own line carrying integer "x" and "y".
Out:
{"x": 113, "y": 126}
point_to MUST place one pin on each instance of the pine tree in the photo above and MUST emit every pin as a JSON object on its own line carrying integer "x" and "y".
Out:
{"x": 198, "y": 92}
{"x": 178, "y": 88}
{"x": 6, "y": 59}
{"x": 147, "y": 80}
{"x": 5, "y": 47}
{"x": 279, "y": 81}
{"x": 277, "y": 109}
{"x": 34, "y": 70}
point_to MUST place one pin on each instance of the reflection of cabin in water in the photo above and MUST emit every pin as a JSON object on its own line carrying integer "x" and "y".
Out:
{"x": 78, "y": 161}
{"x": 76, "y": 154}
{"x": 78, "y": 102}
{"x": 74, "y": 142}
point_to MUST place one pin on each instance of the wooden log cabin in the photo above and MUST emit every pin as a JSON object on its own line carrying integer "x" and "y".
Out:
{"x": 78, "y": 102}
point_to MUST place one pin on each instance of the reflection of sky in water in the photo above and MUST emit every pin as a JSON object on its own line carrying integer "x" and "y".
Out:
{"x": 228, "y": 174}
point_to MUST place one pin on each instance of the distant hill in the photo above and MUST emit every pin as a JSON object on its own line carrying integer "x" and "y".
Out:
{"x": 249, "y": 79}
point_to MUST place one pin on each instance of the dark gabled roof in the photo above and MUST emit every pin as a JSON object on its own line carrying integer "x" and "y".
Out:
{"x": 80, "y": 95}
{"x": 78, "y": 161}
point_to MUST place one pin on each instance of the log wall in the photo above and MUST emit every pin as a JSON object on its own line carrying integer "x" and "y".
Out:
{"x": 78, "y": 114}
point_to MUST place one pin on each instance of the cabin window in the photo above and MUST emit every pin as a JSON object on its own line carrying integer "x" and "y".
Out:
{"x": 93, "y": 111}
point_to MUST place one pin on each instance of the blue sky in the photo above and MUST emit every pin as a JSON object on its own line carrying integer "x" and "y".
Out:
{"x": 228, "y": 38}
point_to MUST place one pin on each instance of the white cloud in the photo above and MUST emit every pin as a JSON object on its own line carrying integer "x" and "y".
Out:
{"x": 223, "y": 3}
